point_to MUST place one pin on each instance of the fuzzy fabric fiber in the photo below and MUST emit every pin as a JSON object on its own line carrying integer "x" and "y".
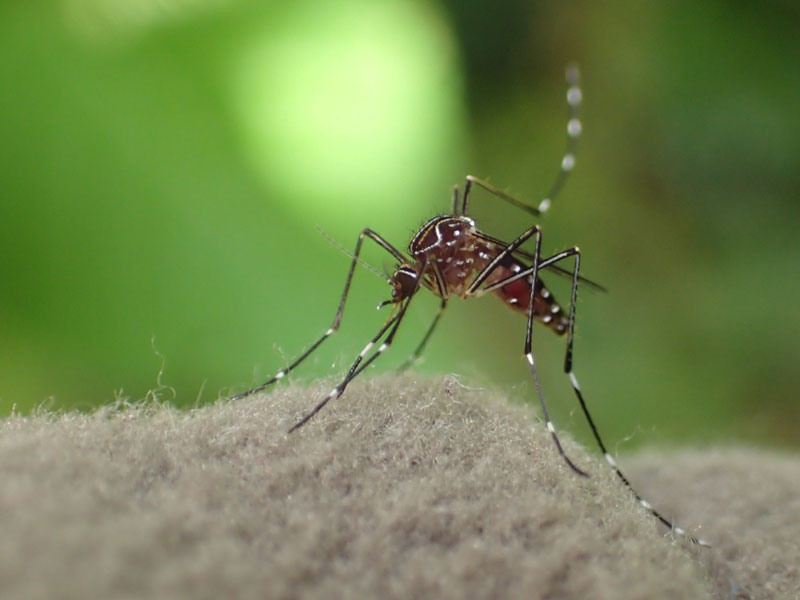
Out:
{"x": 403, "y": 488}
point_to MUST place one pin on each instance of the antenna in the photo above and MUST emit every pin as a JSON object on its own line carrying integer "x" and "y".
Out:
{"x": 361, "y": 261}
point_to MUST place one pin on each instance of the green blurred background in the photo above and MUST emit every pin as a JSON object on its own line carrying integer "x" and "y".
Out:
{"x": 165, "y": 165}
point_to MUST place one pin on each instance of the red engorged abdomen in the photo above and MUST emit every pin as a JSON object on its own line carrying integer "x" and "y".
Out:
{"x": 516, "y": 294}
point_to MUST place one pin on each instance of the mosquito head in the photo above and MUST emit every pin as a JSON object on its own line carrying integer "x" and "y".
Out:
{"x": 404, "y": 281}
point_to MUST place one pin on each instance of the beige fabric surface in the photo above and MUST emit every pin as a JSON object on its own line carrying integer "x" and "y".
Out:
{"x": 403, "y": 488}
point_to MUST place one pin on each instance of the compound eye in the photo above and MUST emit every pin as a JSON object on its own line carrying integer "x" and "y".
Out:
{"x": 405, "y": 282}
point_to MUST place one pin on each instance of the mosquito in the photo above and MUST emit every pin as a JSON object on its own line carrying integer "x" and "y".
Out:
{"x": 451, "y": 257}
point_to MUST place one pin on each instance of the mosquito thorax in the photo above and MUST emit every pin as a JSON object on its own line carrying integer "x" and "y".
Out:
{"x": 440, "y": 232}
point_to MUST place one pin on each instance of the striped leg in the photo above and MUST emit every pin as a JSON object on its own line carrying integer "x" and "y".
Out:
{"x": 584, "y": 408}
{"x": 574, "y": 129}
{"x": 534, "y": 271}
{"x": 366, "y": 233}
{"x": 354, "y": 370}
{"x": 357, "y": 367}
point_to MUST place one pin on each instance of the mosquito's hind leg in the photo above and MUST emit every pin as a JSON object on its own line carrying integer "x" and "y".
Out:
{"x": 574, "y": 129}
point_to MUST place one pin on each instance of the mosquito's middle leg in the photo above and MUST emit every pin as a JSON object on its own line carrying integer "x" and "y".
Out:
{"x": 418, "y": 351}
{"x": 531, "y": 272}
{"x": 532, "y": 361}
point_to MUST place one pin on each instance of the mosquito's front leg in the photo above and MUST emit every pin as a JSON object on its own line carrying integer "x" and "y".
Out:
{"x": 337, "y": 319}
{"x": 339, "y": 389}
{"x": 357, "y": 367}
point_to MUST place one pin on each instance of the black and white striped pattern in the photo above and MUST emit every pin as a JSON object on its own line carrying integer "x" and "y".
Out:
{"x": 574, "y": 130}
{"x": 410, "y": 276}
{"x": 337, "y": 319}
{"x": 575, "y": 252}
{"x": 613, "y": 463}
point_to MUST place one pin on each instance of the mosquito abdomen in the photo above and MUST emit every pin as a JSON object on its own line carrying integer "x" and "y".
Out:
{"x": 517, "y": 295}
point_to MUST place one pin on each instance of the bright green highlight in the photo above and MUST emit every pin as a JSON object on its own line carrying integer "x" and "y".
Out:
{"x": 343, "y": 106}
